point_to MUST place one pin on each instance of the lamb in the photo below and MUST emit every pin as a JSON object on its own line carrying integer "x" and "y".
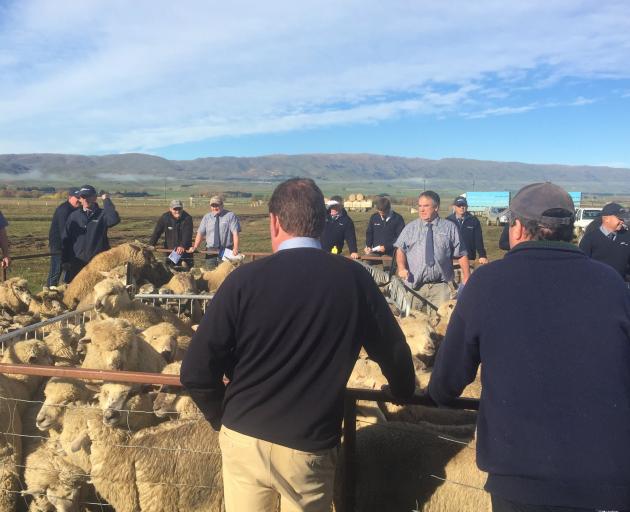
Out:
{"x": 175, "y": 404}
{"x": 47, "y": 303}
{"x": 409, "y": 462}
{"x": 419, "y": 334}
{"x": 19, "y": 387}
{"x": 62, "y": 343}
{"x": 444, "y": 313}
{"x": 15, "y": 295}
{"x": 167, "y": 340}
{"x": 136, "y": 254}
{"x": 112, "y": 301}
{"x": 114, "y": 344}
{"x": 182, "y": 283}
{"x": 59, "y": 394}
{"x": 211, "y": 279}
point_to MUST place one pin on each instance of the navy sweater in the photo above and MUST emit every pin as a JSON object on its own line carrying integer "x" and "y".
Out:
{"x": 615, "y": 253}
{"x": 471, "y": 235}
{"x": 287, "y": 329}
{"x": 385, "y": 233}
{"x": 551, "y": 329}
{"x": 338, "y": 230}
{"x": 58, "y": 224}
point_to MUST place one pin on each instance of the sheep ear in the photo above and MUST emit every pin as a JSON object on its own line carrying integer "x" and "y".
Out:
{"x": 92, "y": 387}
{"x": 32, "y": 492}
{"x": 105, "y": 273}
{"x": 77, "y": 444}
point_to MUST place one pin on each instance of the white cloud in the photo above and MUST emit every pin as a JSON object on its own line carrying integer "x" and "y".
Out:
{"x": 100, "y": 76}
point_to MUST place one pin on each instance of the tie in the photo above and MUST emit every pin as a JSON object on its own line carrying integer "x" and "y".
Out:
{"x": 612, "y": 236}
{"x": 217, "y": 240}
{"x": 429, "y": 256}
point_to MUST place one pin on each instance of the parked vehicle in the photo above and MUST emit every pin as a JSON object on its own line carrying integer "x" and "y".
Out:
{"x": 583, "y": 217}
{"x": 495, "y": 216}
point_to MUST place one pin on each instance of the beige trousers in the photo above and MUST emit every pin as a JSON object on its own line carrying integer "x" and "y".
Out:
{"x": 437, "y": 294}
{"x": 255, "y": 472}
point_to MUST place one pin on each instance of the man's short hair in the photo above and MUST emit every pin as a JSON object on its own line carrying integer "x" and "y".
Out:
{"x": 537, "y": 231}
{"x": 431, "y": 195}
{"x": 383, "y": 204}
{"x": 299, "y": 205}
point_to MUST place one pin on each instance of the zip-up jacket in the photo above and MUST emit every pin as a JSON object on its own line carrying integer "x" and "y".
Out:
{"x": 615, "y": 253}
{"x": 384, "y": 231}
{"x": 86, "y": 235}
{"x": 337, "y": 230}
{"x": 58, "y": 224}
{"x": 177, "y": 232}
{"x": 470, "y": 235}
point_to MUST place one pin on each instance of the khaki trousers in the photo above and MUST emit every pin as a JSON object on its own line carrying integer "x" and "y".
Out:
{"x": 255, "y": 472}
{"x": 436, "y": 293}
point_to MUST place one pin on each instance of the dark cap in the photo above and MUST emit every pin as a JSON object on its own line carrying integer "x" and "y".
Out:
{"x": 460, "y": 201}
{"x": 87, "y": 191}
{"x": 73, "y": 191}
{"x": 546, "y": 203}
{"x": 615, "y": 209}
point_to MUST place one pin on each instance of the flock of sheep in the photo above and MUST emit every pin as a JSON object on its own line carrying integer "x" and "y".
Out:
{"x": 71, "y": 445}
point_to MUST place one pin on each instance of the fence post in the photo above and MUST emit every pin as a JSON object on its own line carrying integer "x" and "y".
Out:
{"x": 349, "y": 443}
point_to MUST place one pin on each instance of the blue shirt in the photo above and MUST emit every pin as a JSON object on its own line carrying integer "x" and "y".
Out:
{"x": 300, "y": 242}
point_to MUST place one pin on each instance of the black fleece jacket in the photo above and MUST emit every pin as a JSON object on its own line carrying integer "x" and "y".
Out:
{"x": 615, "y": 253}
{"x": 286, "y": 330}
{"x": 58, "y": 224}
{"x": 177, "y": 232}
{"x": 471, "y": 234}
{"x": 384, "y": 232}
{"x": 337, "y": 230}
{"x": 551, "y": 330}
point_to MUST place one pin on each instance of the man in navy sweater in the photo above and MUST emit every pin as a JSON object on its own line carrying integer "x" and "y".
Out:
{"x": 554, "y": 348}
{"x": 470, "y": 232}
{"x": 383, "y": 229}
{"x": 286, "y": 330}
{"x": 55, "y": 234}
{"x": 338, "y": 229}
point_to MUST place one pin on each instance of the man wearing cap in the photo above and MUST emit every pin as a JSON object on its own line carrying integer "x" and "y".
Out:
{"x": 554, "y": 348}
{"x": 85, "y": 232}
{"x": 470, "y": 233}
{"x": 221, "y": 229}
{"x": 610, "y": 243}
{"x": 177, "y": 226}
{"x": 426, "y": 249}
{"x": 55, "y": 234}
{"x": 338, "y": 228}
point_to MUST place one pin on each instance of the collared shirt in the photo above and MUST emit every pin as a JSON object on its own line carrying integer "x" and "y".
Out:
{"x": 228, "y": 224}
{"x": 446, "y": 243}
{"x": 607, "y": 233}
{"x": 299, "y": 242}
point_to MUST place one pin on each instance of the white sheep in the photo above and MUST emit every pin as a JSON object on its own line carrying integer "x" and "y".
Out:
{"x": 15, "y": 295}
{"x": 59, "y": 394}
{"x": 166, "y": 339}
{"x": 62, "y": 343}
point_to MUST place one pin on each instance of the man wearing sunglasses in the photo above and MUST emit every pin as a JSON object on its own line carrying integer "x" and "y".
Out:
{"x": 177, "y": 226}
{"x": 221, "y": 229}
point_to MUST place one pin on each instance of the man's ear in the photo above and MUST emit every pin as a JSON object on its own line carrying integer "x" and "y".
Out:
{"x": 274, "y": 225}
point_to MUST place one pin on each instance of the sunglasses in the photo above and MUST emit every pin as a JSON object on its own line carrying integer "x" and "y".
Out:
{"x": 178, "y": 209}
{"x": 215, "y": 205}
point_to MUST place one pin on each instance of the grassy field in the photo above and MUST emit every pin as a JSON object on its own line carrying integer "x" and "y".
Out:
{"x": 30, "y": 220}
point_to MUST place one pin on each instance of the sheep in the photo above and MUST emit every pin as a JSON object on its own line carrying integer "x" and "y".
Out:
{"x": 167, "y": 340}
{"x": 131, "y": 479}
{"x": 127, "y": 406}
{"x": 62, "y": 343}
{"x": 15, "y": 295}
{"x": 175, "y": 405}
{"x": 136, "y": 254}
{"x": 59, "y": 394}
{"x": 444, "y": 312}
{"x": 419, "y": 334}
{"x": 409, "y": 461}
{"x": 210, "y": 280}
{"x": 112, "y": 300}
{"x": 47, "y": 303}
{"x": 114, "y": 344}
{"x": 15, "y": 390}
{"x": 182, "y": 283}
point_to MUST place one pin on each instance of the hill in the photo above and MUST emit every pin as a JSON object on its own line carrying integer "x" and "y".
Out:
{"x": 448, "y": 173}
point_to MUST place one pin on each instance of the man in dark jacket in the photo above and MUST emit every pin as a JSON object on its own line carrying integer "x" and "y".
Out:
{"x": 85, "y": 233}
{"x": 383, "y": 229}
{"x": 470, "y": 232}
{"x": 339, "y": 228}
{"x": 55, "y": 234}
{"x": 177, "y": 226}
{"x": 554, "y": 347}
{"x": 288, "y": 350}
{"x": 608, "y": 240}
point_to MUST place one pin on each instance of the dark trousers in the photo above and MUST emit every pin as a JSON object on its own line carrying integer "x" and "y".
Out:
{"x": 75, "y": 267}
{"x": 54, "y": 274}
{"x": 503, "y": 505}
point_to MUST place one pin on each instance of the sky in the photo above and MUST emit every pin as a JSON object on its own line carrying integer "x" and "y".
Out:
{"x": 535, "y": 81}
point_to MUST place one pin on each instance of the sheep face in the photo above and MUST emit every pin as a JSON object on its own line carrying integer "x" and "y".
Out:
{"x": 182, "y": 283}
{"x": 110, "y": 296}
{"x": 165, "y": 405}
{"x": 165, "y": 345}
{"x": 50, "y": 415}
{"x": 63, "y": 497}
{"x": 120, "y": 401}
{"x": 111, "y": 345}
{"x": 28, "y": 352}
{"x": 21, "y": 291}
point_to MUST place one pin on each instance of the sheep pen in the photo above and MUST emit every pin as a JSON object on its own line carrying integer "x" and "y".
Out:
{"x": 110, "y": 444}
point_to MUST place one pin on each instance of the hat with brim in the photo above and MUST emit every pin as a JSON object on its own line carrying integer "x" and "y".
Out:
{"x": 176, "y": 203}
{"x": 216, "y": 200}
{"x": 460, "y": 201}
{"x": 615, "y": 209}
{"x": 73, "y": 192}
{"x": 546, "y": 203}
{"x": 87, "y": 191}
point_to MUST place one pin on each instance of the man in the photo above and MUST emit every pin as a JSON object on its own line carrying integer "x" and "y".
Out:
{"x": 470, "y": 233}
{"x": 288, "y": 350}
{"x": 221, "y": 230}
{"x": 610, "y": 243}
{"x": 4, "y": 243}
{"x": 383, "y": 229}
{"x": 55, "y": 234}
{"x": 85, "y": 233}
{"x": 554, "y": 347}
{"x": 339, "y": 228}
{"x": 426, "y": 249}
{"x": 177, "y": 226}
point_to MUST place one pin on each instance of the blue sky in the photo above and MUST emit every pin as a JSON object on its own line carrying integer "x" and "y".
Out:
{"x": 536, "y": 81}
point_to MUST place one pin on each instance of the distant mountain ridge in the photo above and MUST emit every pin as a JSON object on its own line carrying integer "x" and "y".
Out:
{"x": 445, "y": 173}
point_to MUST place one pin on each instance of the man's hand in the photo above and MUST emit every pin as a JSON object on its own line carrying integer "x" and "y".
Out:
{"x": 354, "y": 255}
{"x": 403, "y": 273}
{"x": 191, "y": 250}
{"x": 6, "y": 261}
{"x": 180, "y": 250}
{"x": 367, "y": 250}
{"x": 482, "y": 261}
{"x": 235, "y": 251}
